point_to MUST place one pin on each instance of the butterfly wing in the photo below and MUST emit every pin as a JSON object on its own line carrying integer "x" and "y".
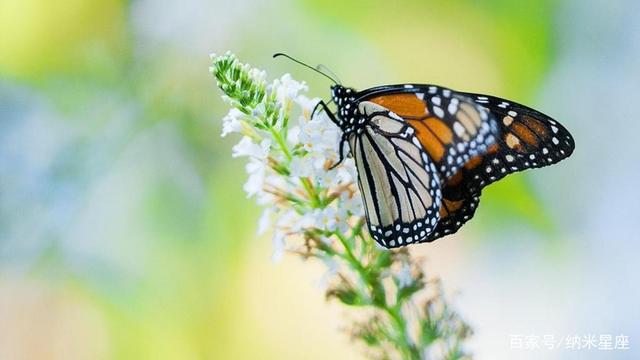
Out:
{"x": 473, "y": 139}
{"x": 458, "y": 207}
{"x": 526, "y": 139}
{"x": 399, "y": 182}
{"x": 451, "y": 127}
{"x": 453, "y": 130}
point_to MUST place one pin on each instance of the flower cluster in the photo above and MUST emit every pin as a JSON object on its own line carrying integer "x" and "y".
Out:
{"x": 315, "y": 210}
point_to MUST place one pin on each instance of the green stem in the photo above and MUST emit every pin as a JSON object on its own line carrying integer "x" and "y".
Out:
{"x": 281, "y": 143}
{"x": 404, "y": 342}
{"x": 351, "y": 257}
{"x": 313, "y": 195}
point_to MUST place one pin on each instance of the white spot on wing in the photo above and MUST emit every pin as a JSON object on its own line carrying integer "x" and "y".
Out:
{"x": 458, "y": 128}
{"x": 453, "y": 107}
{"x": 438, "y": 111}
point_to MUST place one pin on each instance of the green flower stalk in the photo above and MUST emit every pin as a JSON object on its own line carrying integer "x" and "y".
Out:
{"x": 315, "y": 211}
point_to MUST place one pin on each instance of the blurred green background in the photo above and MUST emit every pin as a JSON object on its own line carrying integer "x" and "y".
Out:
{"x": 124, "y": 230}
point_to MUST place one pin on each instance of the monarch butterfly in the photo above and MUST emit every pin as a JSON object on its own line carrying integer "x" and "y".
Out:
{"x": 424, "y": 153}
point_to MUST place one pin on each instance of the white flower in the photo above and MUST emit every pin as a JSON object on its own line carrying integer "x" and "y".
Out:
{"x": 306, "y": 104}
{"x": 347, "y": 172}
{"x": 332, "y": 219}
{"x": 319, "y": 135}
{"x": 437, "y": 349}
{"x": 320, "y": 138}
{"x": 301, "y": 167}
{"x": 286, "y": 88}
{"x": 232, "y": 122}
{"x": 246, "y": 147}
{"x": 308, "y": 220}
{"x": 265, "y": 220}
{"x": 279, "y": 246}
{"x": 286, "y": 218}
{"x": 404, "y": 276}
{"x": 259, "y": 111}
{"x": 332, "y": 269}
{"x": 256, "y": 167}
{"x": 264, "y": 198}
{"x": 293, "y": 135}
{"x": 255, "y": 183}
{"x": 328, "y": 218}
{"x": 257, "y": 75}
{"x": 342, "y": 220}
{"x": 352, "y": 204}
{"x": 326, "y": 178}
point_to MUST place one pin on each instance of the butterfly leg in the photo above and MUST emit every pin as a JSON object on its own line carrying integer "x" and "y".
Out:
{"x": 343, "y": 141}
{"x": 322, "y": 105}
{"x": 315, "y": 108}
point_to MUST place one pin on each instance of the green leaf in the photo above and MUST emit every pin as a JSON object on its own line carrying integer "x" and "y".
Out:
{"x": 347, "y": 296}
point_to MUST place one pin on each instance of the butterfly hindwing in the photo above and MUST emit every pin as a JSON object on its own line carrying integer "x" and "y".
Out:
{"x": 458, "y": 207}
{"x": 454, "y": 214}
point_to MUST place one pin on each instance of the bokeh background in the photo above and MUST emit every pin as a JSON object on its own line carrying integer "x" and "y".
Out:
{"x": 125, "y": 233}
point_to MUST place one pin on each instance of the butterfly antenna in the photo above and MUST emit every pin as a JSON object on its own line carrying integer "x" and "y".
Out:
{"x": 305, "y": 65}
{"x": 321, "y": 67}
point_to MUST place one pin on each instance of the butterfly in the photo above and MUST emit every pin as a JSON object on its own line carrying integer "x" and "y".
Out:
{"x": 424, "y": 153}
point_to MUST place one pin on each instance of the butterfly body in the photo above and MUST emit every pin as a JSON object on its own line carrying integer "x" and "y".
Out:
{"x": 424, "y": 153}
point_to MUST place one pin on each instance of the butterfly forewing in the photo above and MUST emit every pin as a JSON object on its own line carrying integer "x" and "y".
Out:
{"x": 399, "y": 183}
{"x": 526, "y": 139}
{"x": 450, "y": 127}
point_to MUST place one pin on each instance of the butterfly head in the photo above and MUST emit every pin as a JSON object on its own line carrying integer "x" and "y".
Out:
{"x": 341, "y": 92}
{"x": 342, "y": 95}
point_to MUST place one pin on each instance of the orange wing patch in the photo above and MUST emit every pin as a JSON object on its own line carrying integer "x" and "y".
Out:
{"x": 455, "y": 180}
{"x": 449, "y": 206}
{"x": 493, "y": 148}
{"x": 536, "y": 126}
{"x": 473, "y": 162}
{"x": 405, "y": 105}
{"x": 433, "y": 134}
{"x": 524, "y": 134}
